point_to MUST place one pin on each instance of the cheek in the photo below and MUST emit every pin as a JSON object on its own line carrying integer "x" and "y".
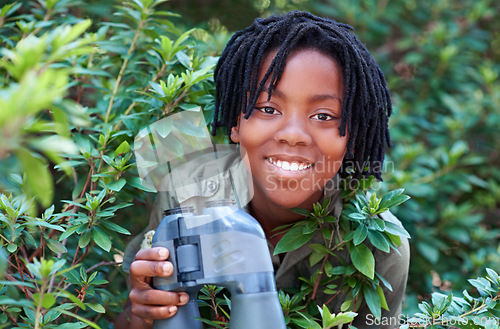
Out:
{"x": 333, "y": 154}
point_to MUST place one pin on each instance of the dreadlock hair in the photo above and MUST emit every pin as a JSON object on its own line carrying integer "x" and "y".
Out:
{"x": 366, "y": 103}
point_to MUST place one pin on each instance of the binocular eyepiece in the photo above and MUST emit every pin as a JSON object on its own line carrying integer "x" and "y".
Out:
{"x": 222, "y": 246}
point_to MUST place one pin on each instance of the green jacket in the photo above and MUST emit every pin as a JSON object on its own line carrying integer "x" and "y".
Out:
{"x": 206, "y": 178}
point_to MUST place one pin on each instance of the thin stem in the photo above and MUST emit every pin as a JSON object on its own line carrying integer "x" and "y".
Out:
{"x": 4, "y": 309}
{"x": 21, "y": 274}
{"x": 321, "y": 271}
{"x": 328, "y": 302}
{"x": 158, "y": 75}
{"x": 89, "y": 177}
{"x": 83, "y": 79}
{"x": 38, "y": 311}
{"x": 76, "y": 253}
{"x": 122, "y": 69}
{"x": 47, "y": 16}
{"x": 101, "y": 264}
{"x": 169, "y": 107}
{"x": 87, "y": 249}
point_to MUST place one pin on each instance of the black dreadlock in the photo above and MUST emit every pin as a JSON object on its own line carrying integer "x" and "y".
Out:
{"x": 366, "y": 103}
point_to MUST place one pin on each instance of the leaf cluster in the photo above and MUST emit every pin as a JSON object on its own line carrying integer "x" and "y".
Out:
{"x": 73, "y": 95}
{"x": 441, "y": 61}
{"x": 361, "y": 230}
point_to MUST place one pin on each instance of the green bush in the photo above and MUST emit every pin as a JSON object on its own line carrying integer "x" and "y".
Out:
{"x": 441, "y": 60}
{"x": 74, "y": 94}
{"x": 72, "y": 98}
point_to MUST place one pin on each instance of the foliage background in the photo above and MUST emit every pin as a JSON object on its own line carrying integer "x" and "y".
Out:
{"x": 72, "y": 104}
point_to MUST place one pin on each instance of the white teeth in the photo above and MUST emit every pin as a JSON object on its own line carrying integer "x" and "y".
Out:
{"x": 289, "y": 166}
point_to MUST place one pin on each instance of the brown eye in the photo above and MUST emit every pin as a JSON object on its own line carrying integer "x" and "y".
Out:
{"x": 267, "y": 110}
{"x": 323, "y": 117}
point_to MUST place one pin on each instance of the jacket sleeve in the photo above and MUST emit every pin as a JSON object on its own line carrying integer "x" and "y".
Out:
{"x": 161, "y": 203}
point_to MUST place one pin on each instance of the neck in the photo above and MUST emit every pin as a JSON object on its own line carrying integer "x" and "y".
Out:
{"x": 271, "y": 217}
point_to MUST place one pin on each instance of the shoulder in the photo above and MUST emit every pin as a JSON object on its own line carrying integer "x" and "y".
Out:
{"x": 211, "y": 175}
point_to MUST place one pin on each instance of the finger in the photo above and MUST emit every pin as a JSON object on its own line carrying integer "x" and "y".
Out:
{"x": 157, "y": 253}
{"x": 154, "y": 312}
{"x": 145, "y": 268}
{"x": 155, "y": 297}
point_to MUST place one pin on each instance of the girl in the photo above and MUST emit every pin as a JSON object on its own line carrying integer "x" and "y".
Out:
{"x": 306, "y": 103}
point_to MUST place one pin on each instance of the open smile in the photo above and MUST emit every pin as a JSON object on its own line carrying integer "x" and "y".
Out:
{"x": 289, "y": 165}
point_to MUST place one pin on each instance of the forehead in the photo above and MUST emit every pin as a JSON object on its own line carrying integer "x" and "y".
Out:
{"x": 301, "y": 60}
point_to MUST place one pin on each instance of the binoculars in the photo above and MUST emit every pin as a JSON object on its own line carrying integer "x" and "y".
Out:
{"x": 222, "y": 246}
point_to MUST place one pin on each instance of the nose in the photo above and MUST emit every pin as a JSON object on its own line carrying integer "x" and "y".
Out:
{"x": 293, "y": 132}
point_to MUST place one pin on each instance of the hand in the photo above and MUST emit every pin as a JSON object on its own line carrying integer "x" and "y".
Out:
{"x": 149, "y": 303}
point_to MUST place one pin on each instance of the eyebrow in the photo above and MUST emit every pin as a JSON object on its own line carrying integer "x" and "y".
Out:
{"x": 314, "y": 98}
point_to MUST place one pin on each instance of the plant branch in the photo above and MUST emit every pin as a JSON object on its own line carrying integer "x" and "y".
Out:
{"x": 4, "y": 309}
{"x": 38, "y": 311}
{"x": 21, "y": 274}
{"x": 103, "y": 263}
{"x": 316, "y": 284}
{"x": 124, "y": 66}
{"x": 158, "y": 75}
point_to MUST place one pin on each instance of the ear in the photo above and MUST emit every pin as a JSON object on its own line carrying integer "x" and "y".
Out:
{"x": 235, "y": 134}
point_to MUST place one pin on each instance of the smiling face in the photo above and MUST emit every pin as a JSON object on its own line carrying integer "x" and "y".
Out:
{"x": 292, "y": 142}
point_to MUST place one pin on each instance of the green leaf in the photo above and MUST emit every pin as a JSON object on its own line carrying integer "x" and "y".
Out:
{"x": 431, "y": 253}
{"x": 56, "y": 246}
{"x": 69, "y": 231}
{"x": 396, "y": 229}
{"x": 292, "y": 240}
{"x": 12, "y": 302}
{"x": 378, "y": 240}
{"x": 357, "y": 216}
{"x": 377, "y": 223}
{"x": 71, "y": 315}
{"x": 122, "y": 149}
{"x": 45, "y": 224}
{"x": 397, "y": 200}
{"x": 341, "y": 318}
{"x": 310, "y": 227}
{"x": 118, "y": 185}
{"x": 384, "y": 202}
{"x": 315, "y": 258}
{"x": 96, "y": 307}
{"x": 384, "y": 281}
{"x": 493, "y": 276}
{"x": 345, "y": 305}
{"x": 395, "y": 239}
{"x": 184, "y": 60}
{"x": 308, "y": 321}
{"x": 12, "y": 248}
{"x": 362, "y": 258}
{"x": 373, "y": 301}
{"x": 338, "y": 270}
{"x": 84, "y": 239}
{"x": 360, "y": 234}
{"x": 301, "y": 211}
{"x": 9, "y": 9}
{"x": 48, "y": 300}
{"x": 326, "y": 315}
{"x": 101, "y": 238}
{"x": 39, "y": 178}
{"x": 381, "y": 295}
{"x": 115, "y": 227}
